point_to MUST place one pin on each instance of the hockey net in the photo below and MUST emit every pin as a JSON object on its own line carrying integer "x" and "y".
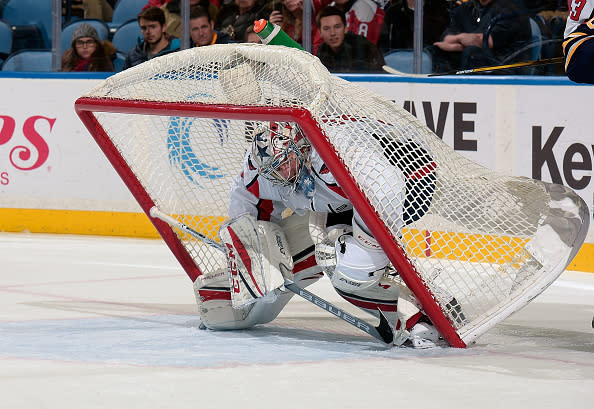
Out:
{"x": 177, "y": 128}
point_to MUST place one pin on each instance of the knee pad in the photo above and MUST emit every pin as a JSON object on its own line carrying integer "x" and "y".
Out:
{"x": 301, "y": 246}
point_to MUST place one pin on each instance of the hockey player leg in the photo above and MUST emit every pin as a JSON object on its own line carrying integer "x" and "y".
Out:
{"x": 249, "y": 292}
{"x": 363, "y": 277}
{"x": 217, "y": 311}
{"x": 305, "y": 268}
{"x": 413, "y": 329}
{"x": 257, "y": 255}
{"x": 286, "y": 244}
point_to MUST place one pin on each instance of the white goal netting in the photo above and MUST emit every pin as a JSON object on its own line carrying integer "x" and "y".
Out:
{"x": 492, "y": 241}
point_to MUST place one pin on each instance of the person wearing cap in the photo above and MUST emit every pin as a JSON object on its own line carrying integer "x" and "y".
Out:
{"x": 87, "y": 52}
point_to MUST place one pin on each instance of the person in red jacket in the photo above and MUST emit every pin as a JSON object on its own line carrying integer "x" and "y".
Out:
{"x": 363, "y": 17}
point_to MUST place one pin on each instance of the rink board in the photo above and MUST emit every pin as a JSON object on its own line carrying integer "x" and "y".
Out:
{"x": 54, "y": 179}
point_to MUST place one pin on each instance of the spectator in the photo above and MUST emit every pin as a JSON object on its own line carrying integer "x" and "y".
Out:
{"x": 155, "y": 3}
{"x": 251, "y": 36}
{"x": 363, "y": 17}
{"x": 172, "y": 10}
{"x": 87, "y": 53}
{"x": 461, "y": 46}
{"x": 235, "y": 17}
{"x": 288, "y": 14}
{"x": 98, "y": 9}
{"x": 155, "y": 40}
{"x": 342, "y": 50}
{"x": 398, "y": 28}
{"x": 202, "y": 30}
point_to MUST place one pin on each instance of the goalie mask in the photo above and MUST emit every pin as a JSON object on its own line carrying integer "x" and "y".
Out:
{"x": 281, "y": 153}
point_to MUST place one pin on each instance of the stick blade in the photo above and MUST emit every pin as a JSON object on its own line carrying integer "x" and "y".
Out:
{"x": 384, "y": 329}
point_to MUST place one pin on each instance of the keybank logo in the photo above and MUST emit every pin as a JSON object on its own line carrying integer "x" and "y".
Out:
{"x": 182, "y": 155}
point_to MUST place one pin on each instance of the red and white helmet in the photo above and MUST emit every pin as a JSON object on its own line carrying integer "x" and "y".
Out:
{"x": 281, "y": 152}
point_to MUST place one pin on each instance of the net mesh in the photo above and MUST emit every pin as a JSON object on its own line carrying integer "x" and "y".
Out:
{"x": 481, "y": 242}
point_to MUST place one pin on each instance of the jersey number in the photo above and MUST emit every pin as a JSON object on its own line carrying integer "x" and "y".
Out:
{"x": 576, "y": 7}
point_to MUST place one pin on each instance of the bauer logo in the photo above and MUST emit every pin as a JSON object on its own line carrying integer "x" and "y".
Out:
{"x": 279, "y": 243}
{"x": 181, "y": 152}
{"x": 350, "y": 282}
{"x": 334, "y": 310}
{"x": 29, "y": 155}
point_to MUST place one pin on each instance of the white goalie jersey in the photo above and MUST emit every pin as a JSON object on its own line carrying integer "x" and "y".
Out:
{"x": 318, "y": 190}
{"x": 257, "y": 196}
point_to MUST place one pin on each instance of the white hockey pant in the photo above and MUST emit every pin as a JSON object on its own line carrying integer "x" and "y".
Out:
{"x": 362, "y": 277}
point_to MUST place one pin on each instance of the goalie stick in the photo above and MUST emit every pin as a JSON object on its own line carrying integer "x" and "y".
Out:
{"x": 382, "y": 332}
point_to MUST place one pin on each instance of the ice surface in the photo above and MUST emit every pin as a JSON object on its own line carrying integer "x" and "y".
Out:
{"x": 95, "y": 322}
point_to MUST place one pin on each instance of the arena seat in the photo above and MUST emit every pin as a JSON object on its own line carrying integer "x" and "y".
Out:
{"x": 119, "y": 61}
{"x": 5, "y": 40}
{"x": 124, "y": 11}
{"x": 29, "y": 60}
{"x": 126, "y": 36}
{"x": 31, "y": 14}
{"x": 403, "y": 60}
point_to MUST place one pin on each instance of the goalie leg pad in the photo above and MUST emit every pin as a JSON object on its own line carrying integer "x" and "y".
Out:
{"x": 214, "y": 299}
{"x": 257, "y": 255}
{"x": 217, "y": 312}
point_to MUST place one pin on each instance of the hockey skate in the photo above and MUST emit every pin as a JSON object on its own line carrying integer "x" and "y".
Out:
{"x": 423, "y": 335}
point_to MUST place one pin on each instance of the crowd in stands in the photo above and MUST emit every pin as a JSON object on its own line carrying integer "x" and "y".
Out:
{"x": 349, "y": 36}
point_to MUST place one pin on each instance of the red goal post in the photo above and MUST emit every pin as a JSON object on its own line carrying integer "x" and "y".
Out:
{"x": 176, "y": 130}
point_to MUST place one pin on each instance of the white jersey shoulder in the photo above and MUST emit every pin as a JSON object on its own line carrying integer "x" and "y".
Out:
{"x": 580, "y": 11}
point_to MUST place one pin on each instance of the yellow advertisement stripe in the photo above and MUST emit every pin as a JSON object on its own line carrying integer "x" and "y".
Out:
{"x": 480, "y": 248}
{"x": 77, "y": 222}
{"x": 459, "y": 246}
{"x": 207, "y": 225}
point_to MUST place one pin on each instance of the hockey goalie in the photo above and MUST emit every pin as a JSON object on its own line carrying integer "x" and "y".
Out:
{"x": 261, "y": 170}
{"x": 283, "y": 175}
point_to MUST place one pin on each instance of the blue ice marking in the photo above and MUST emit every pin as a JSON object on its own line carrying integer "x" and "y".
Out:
{"x": 175, "y": 340}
